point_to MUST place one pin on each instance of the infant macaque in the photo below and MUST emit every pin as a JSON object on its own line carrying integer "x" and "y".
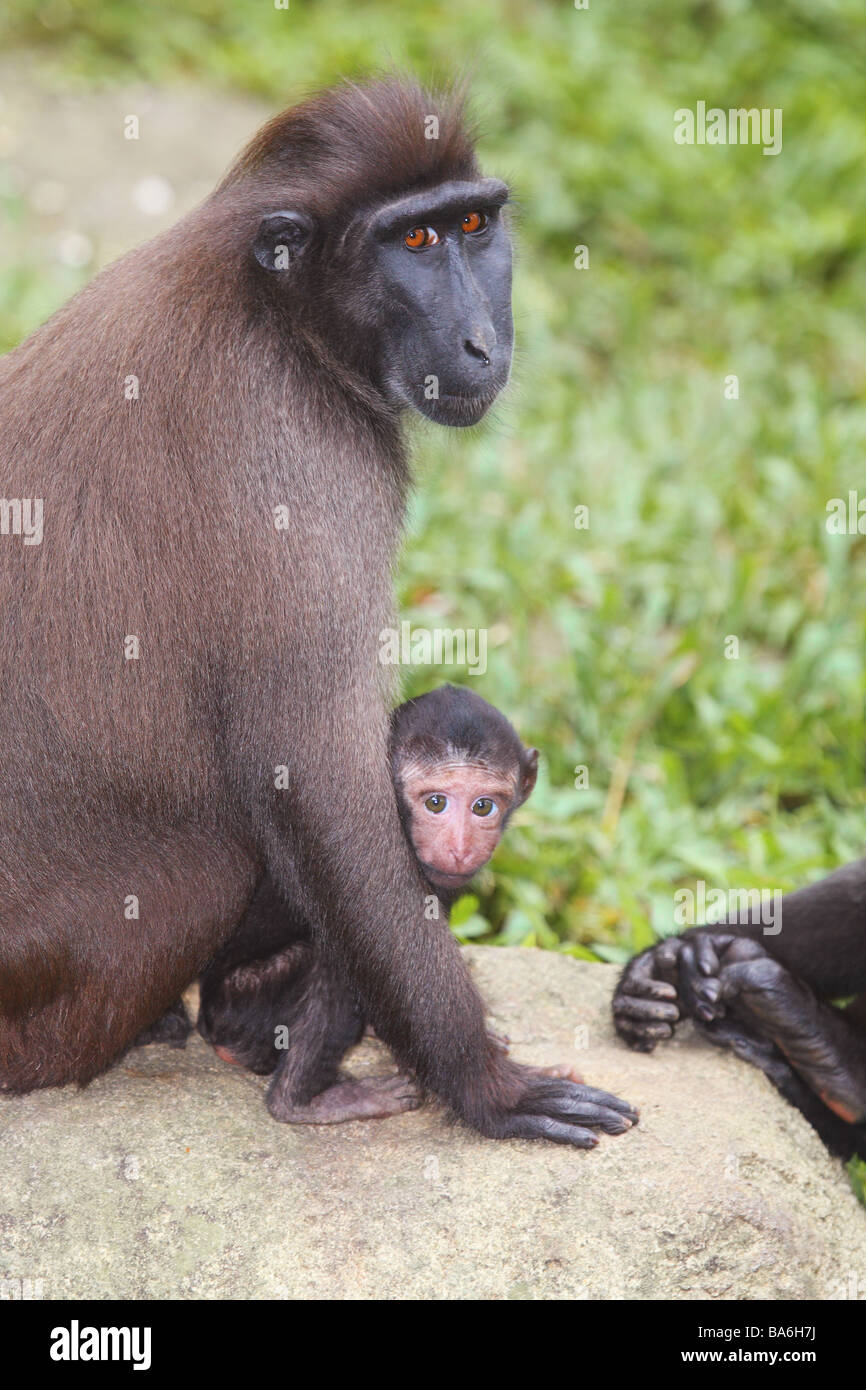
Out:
{"x": 459, "y": 771}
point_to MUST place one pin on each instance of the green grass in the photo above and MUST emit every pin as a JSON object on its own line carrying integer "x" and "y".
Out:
{"x": 707, "y": 515}
{"x": 857, "y": 1174}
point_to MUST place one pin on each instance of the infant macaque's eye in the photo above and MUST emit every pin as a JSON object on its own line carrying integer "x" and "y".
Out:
{"x": 436, "y": 803}
{"x": 483, "y": 806}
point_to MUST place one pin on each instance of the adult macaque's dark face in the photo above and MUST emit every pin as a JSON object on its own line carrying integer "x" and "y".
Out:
{"x": 422, "y": 285}
{"x": 457, "y": 813}
{"x": 444, "y": 259}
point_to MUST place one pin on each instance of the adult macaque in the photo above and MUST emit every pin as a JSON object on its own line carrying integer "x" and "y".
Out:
{"x": 459, "y": 772}
{"x": 767, "y": 997}
{"x": 214, "y": 427}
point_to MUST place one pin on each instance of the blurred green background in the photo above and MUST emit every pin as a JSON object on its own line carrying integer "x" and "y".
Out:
{"x": 707, "y": 515}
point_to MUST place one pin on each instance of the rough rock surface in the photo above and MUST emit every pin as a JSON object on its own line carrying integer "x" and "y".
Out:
{"x": 166, "y": 1178}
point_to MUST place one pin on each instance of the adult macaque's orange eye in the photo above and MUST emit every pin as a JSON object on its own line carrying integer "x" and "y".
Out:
{"x": 474, "y": 222}
{"x": 419, "y": 237}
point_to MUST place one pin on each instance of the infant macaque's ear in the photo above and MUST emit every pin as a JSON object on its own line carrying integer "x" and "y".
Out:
{"x": 530, "y": 772}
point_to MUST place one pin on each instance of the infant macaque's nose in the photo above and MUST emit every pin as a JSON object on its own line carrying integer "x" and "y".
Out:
{"x": 462, "y": 859}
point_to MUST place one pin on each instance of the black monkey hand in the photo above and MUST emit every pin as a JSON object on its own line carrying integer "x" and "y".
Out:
{"x": 678, "y": 978}
{"x": 721, "y": 974}
{"x": 645, "y": 1004}
{"x": 556, "y": 1108}
{"x": 756, "y": 990}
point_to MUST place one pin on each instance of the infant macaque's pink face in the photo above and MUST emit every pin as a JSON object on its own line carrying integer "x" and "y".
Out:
{"x": 457, "y": 812}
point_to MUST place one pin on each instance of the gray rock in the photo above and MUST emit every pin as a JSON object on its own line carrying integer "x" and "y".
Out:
{"x": 166, "y": 1178}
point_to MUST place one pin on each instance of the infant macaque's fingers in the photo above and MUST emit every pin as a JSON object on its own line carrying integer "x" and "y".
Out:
{"x": 369, "y": 1098}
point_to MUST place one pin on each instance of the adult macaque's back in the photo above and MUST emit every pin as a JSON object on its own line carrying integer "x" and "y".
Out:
{"x": 167, "y": 646}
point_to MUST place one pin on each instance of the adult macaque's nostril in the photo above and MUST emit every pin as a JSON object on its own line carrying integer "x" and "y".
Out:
{"x": 477, "y": 349}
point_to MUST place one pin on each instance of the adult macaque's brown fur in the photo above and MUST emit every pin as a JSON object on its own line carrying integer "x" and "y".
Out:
{"x": 258, "y": 647}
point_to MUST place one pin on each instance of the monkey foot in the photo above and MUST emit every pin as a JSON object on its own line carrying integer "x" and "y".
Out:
{"x": 560, "y": 1110}
{"x": 226, "y": 1056}
{"x": 562, "y": 1070}
{"x": 372, "y": 1098}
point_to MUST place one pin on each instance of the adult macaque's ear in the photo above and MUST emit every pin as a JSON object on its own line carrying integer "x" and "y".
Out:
{"x": 530, "y": 772}
{"x": 281, "y": 239}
